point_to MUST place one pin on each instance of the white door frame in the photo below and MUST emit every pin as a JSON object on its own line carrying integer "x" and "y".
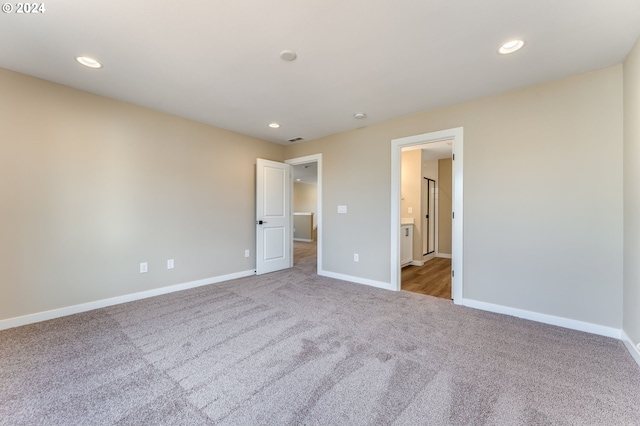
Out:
{"x": 314, "y": 158}
{"x": 455, "y": 134}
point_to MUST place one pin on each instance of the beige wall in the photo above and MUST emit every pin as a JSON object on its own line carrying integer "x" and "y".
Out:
{"x": 535, "y": 236}
{"x": 632, "y": 195}
{"x": 305, "y": 199}
{"x": 412, "y": 196}
{"x": 302, "y": 227}
{"x": 444, "y": 205}
{"x": 90, "y": 187}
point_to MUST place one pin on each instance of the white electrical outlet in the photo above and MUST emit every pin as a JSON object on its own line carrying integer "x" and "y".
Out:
{"x": 356, "y": 257}
{"x": 144, "y": 267}
{"x": 342, "y": 209}
{"x": 246, "y": 253}
{"x": 170, "y": 264}
{"x": 410, "y": 209}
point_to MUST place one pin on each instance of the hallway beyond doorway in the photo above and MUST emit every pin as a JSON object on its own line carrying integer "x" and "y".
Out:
{"x": 305, "y": 254}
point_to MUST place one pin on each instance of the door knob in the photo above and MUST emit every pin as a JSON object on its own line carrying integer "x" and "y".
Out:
{"x": 260, "y": 222}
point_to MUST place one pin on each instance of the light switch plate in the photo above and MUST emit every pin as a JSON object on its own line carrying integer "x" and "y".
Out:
{"x": 342, "y": 209}
{"x": 170, "y": 264}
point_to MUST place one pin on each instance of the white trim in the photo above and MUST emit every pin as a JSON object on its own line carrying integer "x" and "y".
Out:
{"x": 444, "y": 255}
{"x": 428, "y": 257}
{"x": 545, "y": 318}
{"x": 633, "y": 350}
{"x": 357, "y": 280}
{"x": 317, "y": 158}
{"x": 304, "y": 240}
{"x": 416, "y": 263}
{"x": 84, "y": 307}
{"x": 455, "y": 134}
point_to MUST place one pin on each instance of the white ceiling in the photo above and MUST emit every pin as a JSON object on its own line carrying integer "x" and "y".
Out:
{"x": 306, "y": 173}
{"x": 433, "y": 150}
{"x": 218, "y": 62}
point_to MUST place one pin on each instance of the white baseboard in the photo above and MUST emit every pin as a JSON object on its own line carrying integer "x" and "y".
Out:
{"x": 305, "y": 240}
{"x": 428, "y": 257}
{"x": 416, "y": 263}
{"x": 83, "y": 307}
{"x": 545, "y": 318}
{"x": 357, "y": 280}
{"x": 633, "y": 350}
{"x": 444, "y": 255}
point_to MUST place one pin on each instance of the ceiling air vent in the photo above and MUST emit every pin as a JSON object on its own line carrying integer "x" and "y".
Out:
{"x": 296, "y": 140}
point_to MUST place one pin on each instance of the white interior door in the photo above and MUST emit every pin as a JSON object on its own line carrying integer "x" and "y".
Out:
{"x": 273, "y": 216}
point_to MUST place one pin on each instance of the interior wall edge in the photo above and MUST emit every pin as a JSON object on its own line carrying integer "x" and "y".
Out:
{"x": 633, "y": 350}
{"x": 631, "y": 198}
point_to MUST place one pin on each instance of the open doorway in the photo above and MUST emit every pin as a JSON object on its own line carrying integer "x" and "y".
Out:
{"x": 306, "y": 173}
{"x": 456, "y": 137}
{"x": 426, "y": 207}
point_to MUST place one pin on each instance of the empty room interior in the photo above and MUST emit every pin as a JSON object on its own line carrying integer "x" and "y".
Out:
{"x": 229, "y": 212}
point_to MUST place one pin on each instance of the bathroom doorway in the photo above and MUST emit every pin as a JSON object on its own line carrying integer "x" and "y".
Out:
{"x": 454, "y": 135}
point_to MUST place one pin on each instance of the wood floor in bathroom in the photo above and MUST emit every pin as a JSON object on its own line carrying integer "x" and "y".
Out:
{"x": 433, "y": 278}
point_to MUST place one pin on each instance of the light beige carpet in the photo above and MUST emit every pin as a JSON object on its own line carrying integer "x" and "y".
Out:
{"x": 293, "y": 348}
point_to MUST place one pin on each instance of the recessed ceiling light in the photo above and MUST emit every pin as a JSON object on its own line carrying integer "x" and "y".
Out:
{"x": 288, "y": 55}
{"x": 88, "y": 62}
{"x": 511, "y": 46}
{"x": 274, "y": 125}
{"x": 359, "y": 115}
{"x": 298, "y": 180}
